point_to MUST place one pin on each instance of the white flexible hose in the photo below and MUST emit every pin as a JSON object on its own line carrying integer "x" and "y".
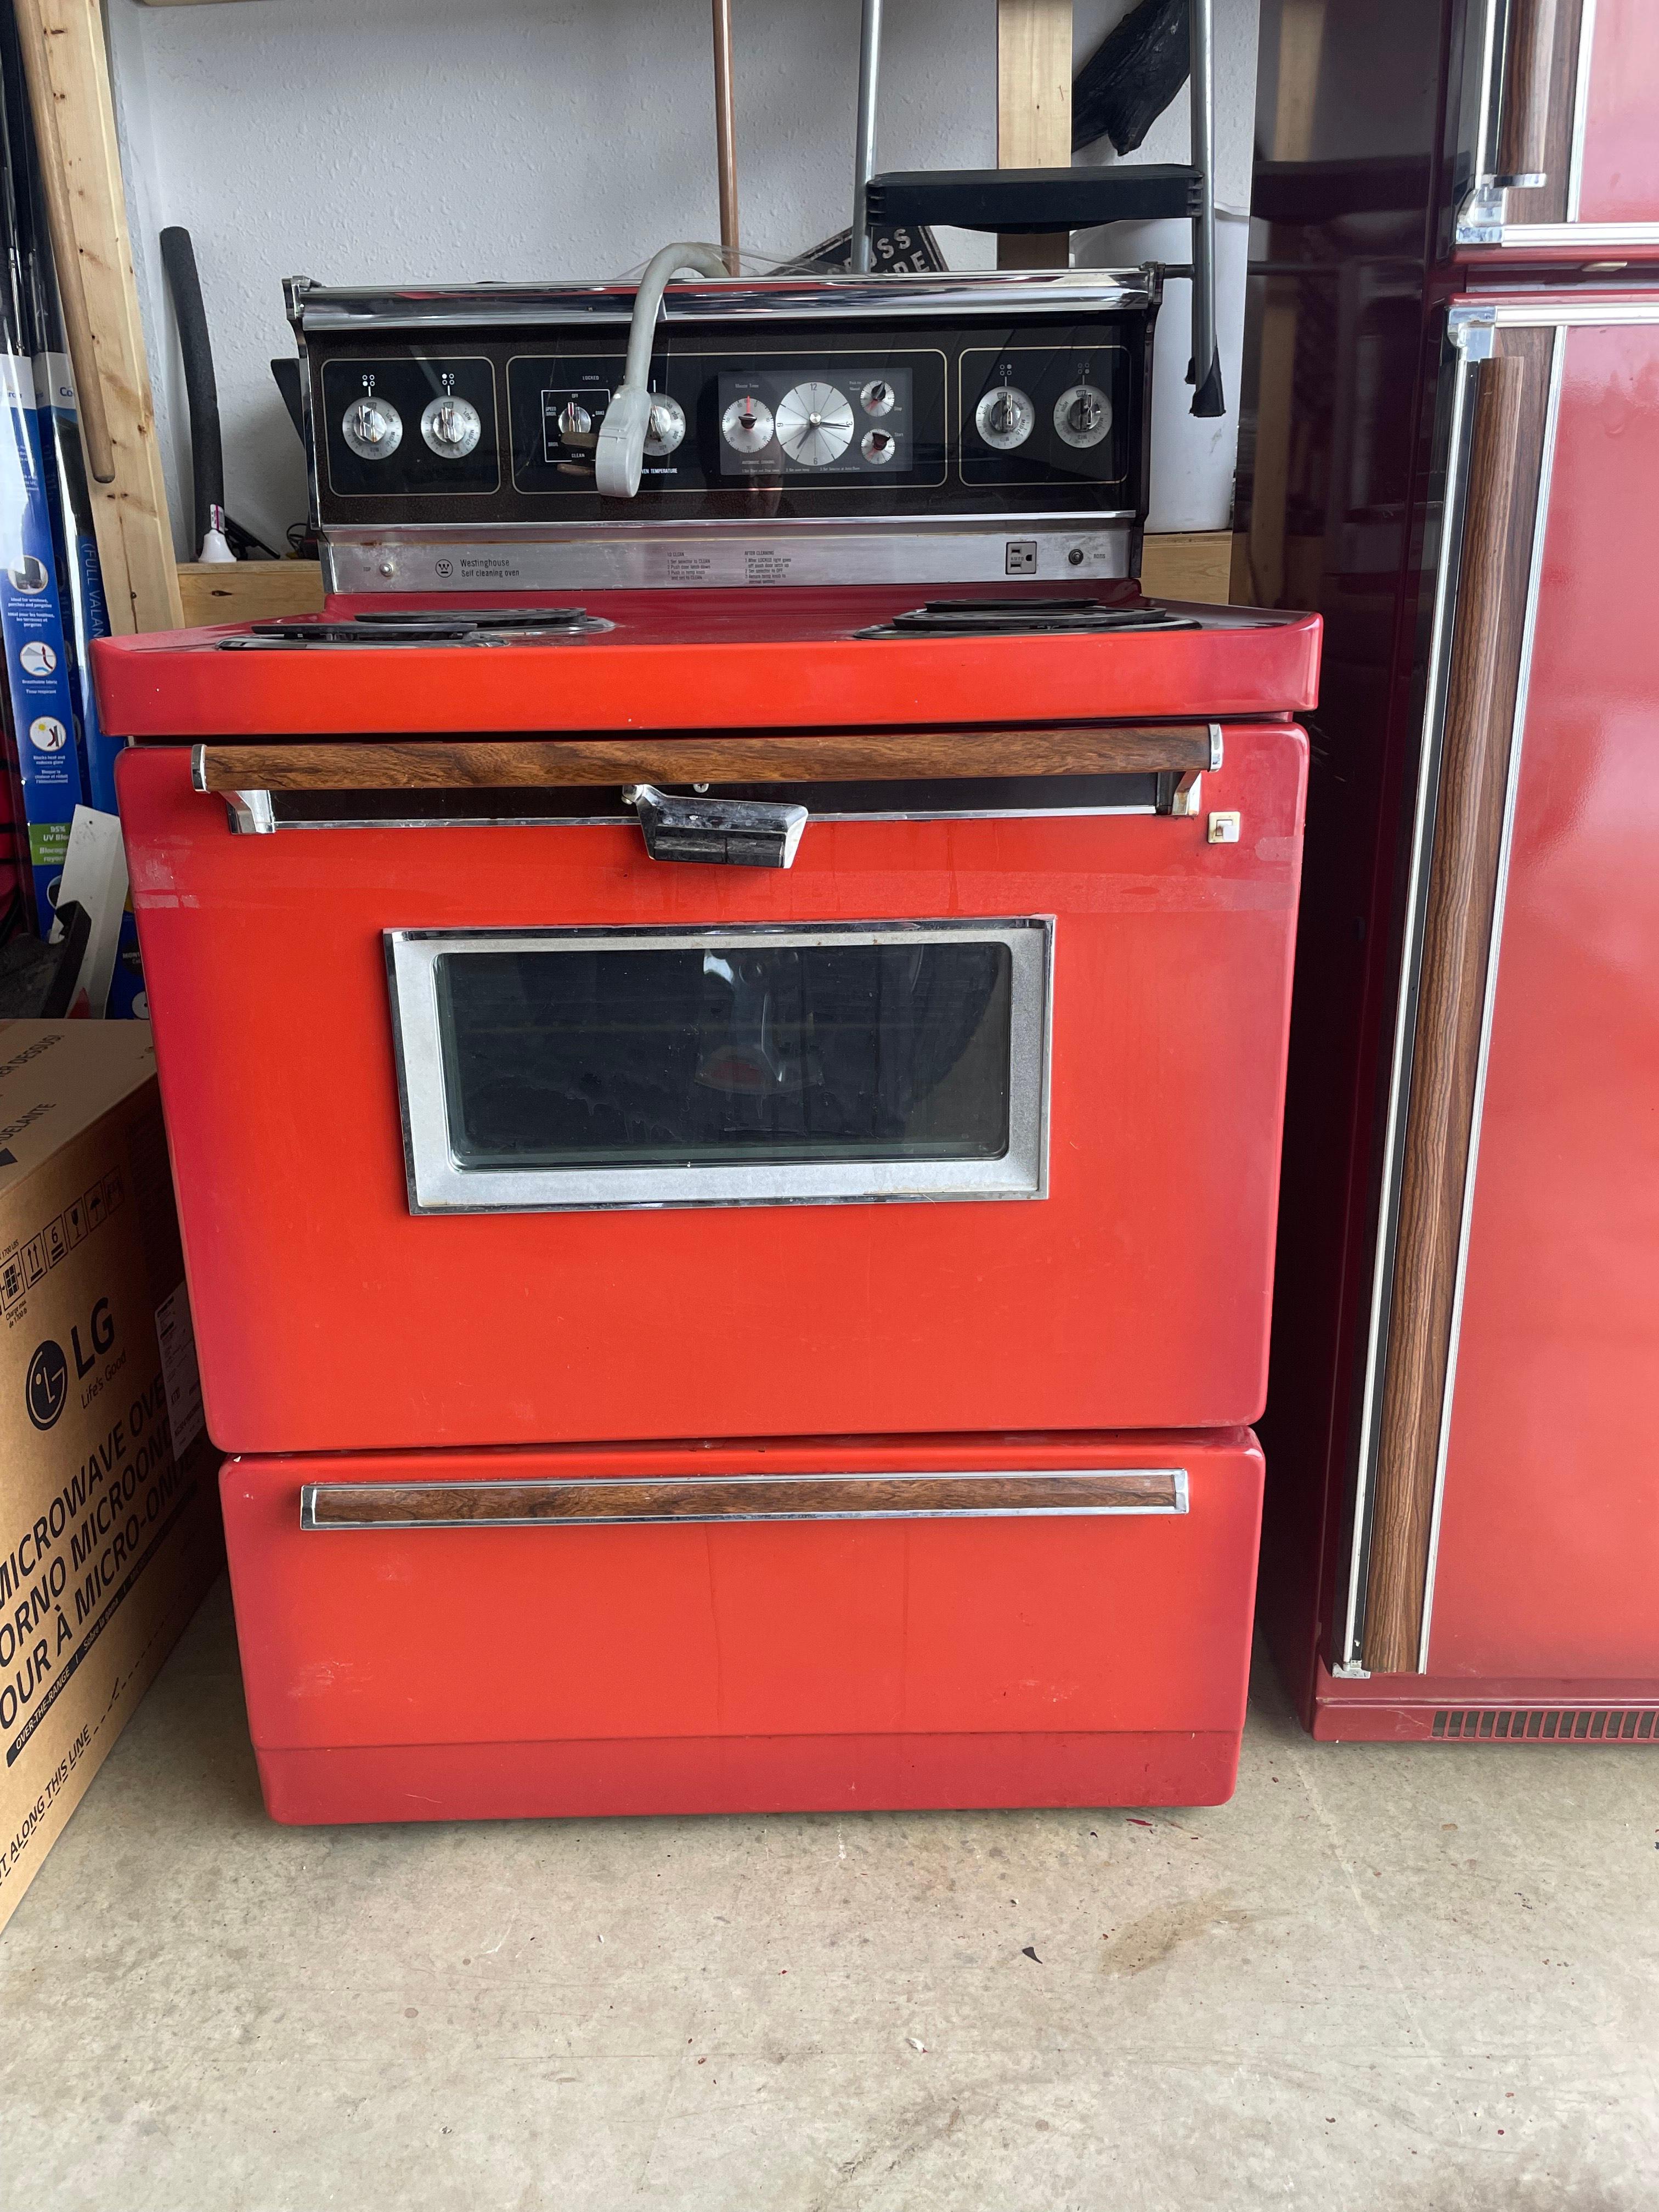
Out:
{"x": 619, "y": 455}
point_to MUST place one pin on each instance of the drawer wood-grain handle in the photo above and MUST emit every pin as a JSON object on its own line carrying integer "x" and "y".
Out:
{"x": 841, "y": 757}
{"x": 604, "y": 1503}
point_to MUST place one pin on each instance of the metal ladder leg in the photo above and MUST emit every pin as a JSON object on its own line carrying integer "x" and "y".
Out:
{"x": 863, "y": 159}
{"x": 1206, "y": 371}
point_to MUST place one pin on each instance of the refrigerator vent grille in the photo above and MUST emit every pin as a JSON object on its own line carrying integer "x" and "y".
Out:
{"x": 1553, "y": 1724}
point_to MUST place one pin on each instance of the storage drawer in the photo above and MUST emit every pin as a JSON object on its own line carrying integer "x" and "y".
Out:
{"x": 984, "y": 1620}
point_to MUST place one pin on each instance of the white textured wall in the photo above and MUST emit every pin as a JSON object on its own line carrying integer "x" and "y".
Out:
{"x": 447, "y": 140}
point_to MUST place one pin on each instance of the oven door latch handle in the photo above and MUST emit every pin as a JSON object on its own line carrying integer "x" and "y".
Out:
{"x": 722, "y": 833}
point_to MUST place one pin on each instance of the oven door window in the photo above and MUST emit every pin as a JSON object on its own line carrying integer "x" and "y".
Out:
{"x": 552, "y": 1069}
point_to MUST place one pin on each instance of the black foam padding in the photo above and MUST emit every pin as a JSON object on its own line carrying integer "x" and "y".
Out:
{"x": 1031, "y": 201}
{"x": 1132, "y": 76}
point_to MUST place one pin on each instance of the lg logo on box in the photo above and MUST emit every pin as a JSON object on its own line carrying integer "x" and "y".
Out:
{"x": 47, "y": 1388}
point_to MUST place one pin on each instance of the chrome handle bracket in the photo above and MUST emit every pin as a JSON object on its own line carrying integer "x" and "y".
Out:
{"x": 730, "y": 833}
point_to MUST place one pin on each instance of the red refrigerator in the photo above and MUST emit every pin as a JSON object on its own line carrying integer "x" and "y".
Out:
{"x": 1450, "y": 449}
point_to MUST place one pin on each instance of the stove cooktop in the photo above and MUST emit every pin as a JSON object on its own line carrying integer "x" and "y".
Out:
{"x": 874, "y": 656}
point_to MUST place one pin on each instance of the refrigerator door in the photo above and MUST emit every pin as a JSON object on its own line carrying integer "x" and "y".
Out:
{"x": 1548, "y": 1539}
{"x": 1560, "y": 100}
{"x": 1507, "y": 1522}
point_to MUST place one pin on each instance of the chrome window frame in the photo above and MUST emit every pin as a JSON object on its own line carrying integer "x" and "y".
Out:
{"x": 438, "y": 1183}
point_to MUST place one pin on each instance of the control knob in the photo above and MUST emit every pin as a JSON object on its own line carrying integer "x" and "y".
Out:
{"x": 667, "y": 427}
{"x": 746, "y": 425}
{"x": 877, "y": 396}
{"x": 451, "y": 426}
{"x": 1083, "y": 415}
{"x": 372, "y": 428}
{"x": 878, "y": 445}
{"x": 575, "y": 422}
{"x": 1004, "y": 417}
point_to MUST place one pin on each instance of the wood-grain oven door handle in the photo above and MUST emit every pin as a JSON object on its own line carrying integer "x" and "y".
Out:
{"x": 653, "y": 1501}
{"x": 249, "y": 776}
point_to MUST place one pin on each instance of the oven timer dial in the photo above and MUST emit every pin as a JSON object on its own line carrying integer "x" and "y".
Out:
{"x": 746, "y": 425}
{"x": 372, "y": 428}
{"x": 1004, "y": 417}
{"x": 1083, "y": 415}
{"x": 877, "y": 396}
{"x": 666, "y": 428}
{"x": 451, "y": 426}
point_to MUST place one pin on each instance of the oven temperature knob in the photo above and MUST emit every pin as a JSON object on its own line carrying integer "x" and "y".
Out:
{"x": 1082, "y": 415}
{"x": 451, "y": 426}
{"x": 667, "y": 427}
{"x": 746, "y": 425}
{"x": 373, "y": 429}
{"x": 1005, "y": 418}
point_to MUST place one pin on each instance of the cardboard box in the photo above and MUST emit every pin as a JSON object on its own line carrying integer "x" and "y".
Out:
{"x": 109, "y": 1516}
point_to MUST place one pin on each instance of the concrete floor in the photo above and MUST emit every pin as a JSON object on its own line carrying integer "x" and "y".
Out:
{"x": 1419, "y": 1979}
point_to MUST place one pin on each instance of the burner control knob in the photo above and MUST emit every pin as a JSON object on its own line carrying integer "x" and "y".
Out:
{"x": 574, "y": 421}
{"x": 1083, "y": 415}
{"x": 451, "y": 426}
{"x": 1004, "y": 417}
{"x": 667, "y": 427}
{"x": 372, "y": 428}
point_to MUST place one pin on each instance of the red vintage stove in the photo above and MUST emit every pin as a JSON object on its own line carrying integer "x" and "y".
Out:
{"x": 722, "y": 1021}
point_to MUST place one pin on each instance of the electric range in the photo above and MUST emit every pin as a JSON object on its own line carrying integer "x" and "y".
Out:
{"x": 723, "y": 1053}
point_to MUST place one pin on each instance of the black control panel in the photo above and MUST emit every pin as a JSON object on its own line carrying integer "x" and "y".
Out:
{"x": 834, "y": 419}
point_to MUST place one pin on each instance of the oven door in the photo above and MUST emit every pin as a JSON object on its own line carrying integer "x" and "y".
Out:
{"x": 489, "y": 1127}
{"x": 544, "y": 1070}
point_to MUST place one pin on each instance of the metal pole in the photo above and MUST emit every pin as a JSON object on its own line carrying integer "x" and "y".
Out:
{"x": 725, "y": 134}
{"x": 864, "y": 160}
{"x": 1207, "y": 399}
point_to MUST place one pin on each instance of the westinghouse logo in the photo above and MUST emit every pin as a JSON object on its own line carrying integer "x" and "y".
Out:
{"x": 47, "y": 1385}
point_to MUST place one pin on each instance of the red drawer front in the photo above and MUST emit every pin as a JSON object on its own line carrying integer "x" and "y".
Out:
{"x": 1135, "y": 1295}
{"x": 613, "y": 1667}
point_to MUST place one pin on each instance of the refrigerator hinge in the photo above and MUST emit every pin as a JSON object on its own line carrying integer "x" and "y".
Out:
{"x": 1472, "y": 330}
{"x": 1480, "y": 219}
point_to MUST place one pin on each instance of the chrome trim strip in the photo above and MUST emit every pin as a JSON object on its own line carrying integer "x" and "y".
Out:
{"x": 1347, "y": 1650}
{"x": 1579, "y": 235}
{"x": 1177, "y": 1476}
{"x": 1485, "y": 116}
{"x": 1581, "y": 85}
{"x": 1512, "y": 782}
{"x": 599, "y": 557}
{"x": 1542, "y": 315}
{"x": 437, "y": 1184}
{"x": 314, "y": 307}
{"x": 620, "y": 821}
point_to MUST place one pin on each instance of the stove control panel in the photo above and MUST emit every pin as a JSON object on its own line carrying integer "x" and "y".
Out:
{"x": 838, "y": 417}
